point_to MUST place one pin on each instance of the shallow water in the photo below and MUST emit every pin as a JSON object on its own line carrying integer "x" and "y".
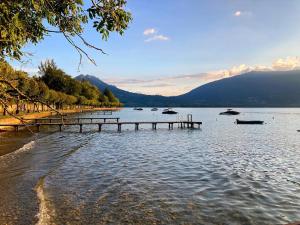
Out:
{"x": 221, "y": 174}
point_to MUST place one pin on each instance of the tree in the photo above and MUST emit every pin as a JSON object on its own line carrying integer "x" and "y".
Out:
{"x": 23, "y": 22}
{"x": 58, "y": 80}
{"x": 29, "y": 21}
{"x": 111, "y": 97}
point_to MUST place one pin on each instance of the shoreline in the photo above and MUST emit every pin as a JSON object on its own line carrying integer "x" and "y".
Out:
{"x": 38, "y": 115}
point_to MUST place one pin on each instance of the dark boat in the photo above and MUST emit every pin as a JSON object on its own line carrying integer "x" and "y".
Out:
{"x": 169, "y": 111}
{"x": 230, "y": 112}
{"x": 154, "y": 109}
{"x": 139, "y": 109}
{"x": 249, "y": 122}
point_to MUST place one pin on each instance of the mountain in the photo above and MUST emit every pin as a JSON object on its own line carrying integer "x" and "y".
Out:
{"x": 253, "y": 89}
{"x": 128, "y": 98}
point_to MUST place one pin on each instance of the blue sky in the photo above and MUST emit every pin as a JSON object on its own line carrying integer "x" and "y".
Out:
{"x": 188, "y": 43}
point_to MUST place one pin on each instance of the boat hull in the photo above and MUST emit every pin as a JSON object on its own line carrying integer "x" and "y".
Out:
{"x": 169, "y": 112}
{"x": 230, "y": 113}
{"x": 250, "y": 122}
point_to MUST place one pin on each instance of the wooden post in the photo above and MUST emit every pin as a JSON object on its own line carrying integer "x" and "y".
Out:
{"x": 91, "y": 120}
{"x": 16, "y": 128}
{"x": 104, "y": 120}
{"x": 50, "y": 120}
{"x": 99, "y": 127}
{"x": 117, "y": 120}
{"x": 35, "y": 120}
{"x": 38, "y": 127}
{"x": 78, "y": 120}
{"x": 80, "y": 128}
{"x": 119, "y": 127}
{"x": 60, "y": 127}
{"x": 153, "y": 126}
{"x": 181, "y": 125}
{"x": 136, "y": 126}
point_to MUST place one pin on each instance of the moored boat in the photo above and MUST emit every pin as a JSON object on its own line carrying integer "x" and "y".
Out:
{"x": 230, "y": 112}
{"x": 139, "y": 109}
{"x": 154, "y": 109}
{"x": 249, "y": 122}
{"x": 169, "y": 111}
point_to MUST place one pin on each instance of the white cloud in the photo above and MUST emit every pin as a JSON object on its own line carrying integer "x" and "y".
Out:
{"x": 149, "y": 31}
{"x": 242, "y": 13}
{"x": 289, "y": 63}
{"x": 238, "y": 13}
{"x": 157, "y": 38}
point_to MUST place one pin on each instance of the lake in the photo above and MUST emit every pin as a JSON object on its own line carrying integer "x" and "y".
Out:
{"x": 222, "y": 174}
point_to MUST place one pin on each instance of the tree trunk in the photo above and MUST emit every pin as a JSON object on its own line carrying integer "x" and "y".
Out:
{"x": 4, "y": 111}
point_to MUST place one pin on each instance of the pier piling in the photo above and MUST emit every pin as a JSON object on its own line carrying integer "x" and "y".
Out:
{"x": 38, "y": 127}
{"x": 154, "y": 126}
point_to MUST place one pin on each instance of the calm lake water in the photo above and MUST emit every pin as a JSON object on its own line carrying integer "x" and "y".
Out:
{"x": 222, "y": 174}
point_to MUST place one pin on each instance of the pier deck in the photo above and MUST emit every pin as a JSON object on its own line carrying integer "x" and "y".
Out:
{"x": 181, "y": 124}
{"x": 77, "y": 119}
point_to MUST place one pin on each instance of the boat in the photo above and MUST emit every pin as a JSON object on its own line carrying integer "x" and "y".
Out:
{"x": 139, "y": 109}
{"x": 249, "y": 122}
{"x": 154, "y": 109}
{"x": 169, "y": 111}
{"x": 230, "y": 112}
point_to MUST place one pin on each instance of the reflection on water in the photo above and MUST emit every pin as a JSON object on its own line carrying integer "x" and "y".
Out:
{"x": 222, "y": 174}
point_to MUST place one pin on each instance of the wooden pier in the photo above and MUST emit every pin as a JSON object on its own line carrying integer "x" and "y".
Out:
{"x": 77, "y": 119}
{"x": 100, "y": 112}
{"x": 60, "y": 125}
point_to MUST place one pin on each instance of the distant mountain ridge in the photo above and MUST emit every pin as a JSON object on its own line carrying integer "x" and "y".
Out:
{"x": 126, "y": 97}
{"x": 253, "y": 89}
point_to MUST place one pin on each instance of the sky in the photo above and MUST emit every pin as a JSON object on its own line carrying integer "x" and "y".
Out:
{"x": 173, "y": 46}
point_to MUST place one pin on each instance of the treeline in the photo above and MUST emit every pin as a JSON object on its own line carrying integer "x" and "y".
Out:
{"x": 52, "y": 88}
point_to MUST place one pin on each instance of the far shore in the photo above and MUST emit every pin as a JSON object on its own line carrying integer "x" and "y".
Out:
{"x": 37, "y": 115}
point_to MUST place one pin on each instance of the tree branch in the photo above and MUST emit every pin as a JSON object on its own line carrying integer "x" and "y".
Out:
{"x": 79, "y": 50}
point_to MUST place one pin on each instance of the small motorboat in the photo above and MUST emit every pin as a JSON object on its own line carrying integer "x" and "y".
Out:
{"x": 249, "y": 122}
{"x": 138, "y": 109}
{"x": 154, "y": 109}
{"x": 169, "y": 111}
{"x": 230, "y": 112}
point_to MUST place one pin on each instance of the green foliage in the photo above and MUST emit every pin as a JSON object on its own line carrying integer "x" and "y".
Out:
{"x": 58, "y": 80}
{"x": 27, "y": 21}
{"x": 53, "y": 87}
{"x": 110, "y": 96}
